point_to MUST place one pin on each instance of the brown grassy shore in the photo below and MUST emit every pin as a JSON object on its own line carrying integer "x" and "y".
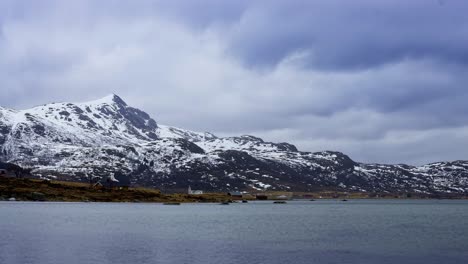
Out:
{"x": 60, "y": 191}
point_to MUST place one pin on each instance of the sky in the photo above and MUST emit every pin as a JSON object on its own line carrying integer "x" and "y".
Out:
{"x": 381, "y": 81}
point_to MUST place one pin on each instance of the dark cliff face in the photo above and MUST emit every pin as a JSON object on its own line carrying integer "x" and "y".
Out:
{"x": 72, "y": 141}
{"x": 134, "y": 119}
{"x": 4, "y": 131}
{"x": 287, "y": 147}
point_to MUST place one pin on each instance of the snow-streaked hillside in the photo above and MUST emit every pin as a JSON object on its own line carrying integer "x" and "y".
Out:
{"x": 75, "y": 140}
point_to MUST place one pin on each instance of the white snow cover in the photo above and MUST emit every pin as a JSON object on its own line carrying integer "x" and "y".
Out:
{"x": 75, "y": 138}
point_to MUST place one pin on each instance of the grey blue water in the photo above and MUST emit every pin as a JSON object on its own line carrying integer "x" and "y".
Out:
{"x": 324, "y": 231}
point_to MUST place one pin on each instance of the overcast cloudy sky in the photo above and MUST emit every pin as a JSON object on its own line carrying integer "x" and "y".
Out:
{"x": 382, "y": 81}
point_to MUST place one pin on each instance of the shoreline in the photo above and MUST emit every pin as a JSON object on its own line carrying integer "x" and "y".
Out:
{"x": 27, "y": 189}
{"x": 57, "y": 191}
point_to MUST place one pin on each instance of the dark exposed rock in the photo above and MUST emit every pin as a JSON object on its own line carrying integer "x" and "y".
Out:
{"x": 38, "y": 129}
{"x": 287, "y": 147}
{"x": 187, "y": 145}
{"x": 64, "y": 113}
{"x": 4, "y": 131}
{"x": 116, "y": 138}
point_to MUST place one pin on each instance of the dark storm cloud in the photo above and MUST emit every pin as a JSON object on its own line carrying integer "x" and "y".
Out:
{"x": 349, "y": 35}
{"x": 358, "y": 35}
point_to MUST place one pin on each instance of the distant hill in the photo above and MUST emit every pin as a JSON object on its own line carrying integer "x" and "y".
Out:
{"x": 73, "y": 141}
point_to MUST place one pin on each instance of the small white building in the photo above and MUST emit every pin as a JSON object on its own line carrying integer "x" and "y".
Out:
{"x": 190, "y": 191}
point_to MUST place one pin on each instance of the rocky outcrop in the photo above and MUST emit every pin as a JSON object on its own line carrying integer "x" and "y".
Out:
{"x": 93, "y": 139}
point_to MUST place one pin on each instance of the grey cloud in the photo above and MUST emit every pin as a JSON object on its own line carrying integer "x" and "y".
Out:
{"x": 353, "y": 34}
{"x": 320, "y": 74}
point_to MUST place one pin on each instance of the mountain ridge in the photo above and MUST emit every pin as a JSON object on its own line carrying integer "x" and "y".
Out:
{"x": 75, "y": 140}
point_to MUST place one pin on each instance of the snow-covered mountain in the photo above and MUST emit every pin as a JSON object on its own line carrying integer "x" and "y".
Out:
{"x": 76, "y": 140}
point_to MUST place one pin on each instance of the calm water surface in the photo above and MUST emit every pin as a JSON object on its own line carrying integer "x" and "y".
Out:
{"x": 357, "y": 231}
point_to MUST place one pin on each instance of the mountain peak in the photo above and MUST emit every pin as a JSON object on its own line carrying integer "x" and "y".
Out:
{"x": 111, "y": 99}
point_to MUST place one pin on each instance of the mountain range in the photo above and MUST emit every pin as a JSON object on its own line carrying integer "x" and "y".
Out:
{"x": 76, "y": 141}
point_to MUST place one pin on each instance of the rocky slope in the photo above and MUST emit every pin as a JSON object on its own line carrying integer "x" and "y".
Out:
{"x": 77, "y": 140}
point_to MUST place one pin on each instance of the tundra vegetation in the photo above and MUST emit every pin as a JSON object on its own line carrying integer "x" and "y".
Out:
{"x": 25, "y": 189}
